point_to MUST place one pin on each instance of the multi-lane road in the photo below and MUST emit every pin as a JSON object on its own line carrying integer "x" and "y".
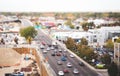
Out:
{"x": 52, "y": 60}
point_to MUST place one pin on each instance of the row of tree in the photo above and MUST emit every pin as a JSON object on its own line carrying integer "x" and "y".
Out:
{"x": 110, "y": 43}
{"x": 81, "y": 49}
{"x": 87, "y": 53}
{"x": 67, "y": 15}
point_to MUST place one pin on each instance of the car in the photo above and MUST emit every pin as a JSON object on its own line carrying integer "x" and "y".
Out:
{"x": 65, "y": 50}
{"x": 66, "y": 71}
{"x": 60, "y": 73}
{"x": 69, "y": 65}
{"x": 42, "y": 46}
{"x": 49, "y": 45}
{"x": 110, "y": 53}
{"x": 64, "y": 54}
{"x": 56, "y": 46}
{"x": 81, "y": 63}
{"x": 55, "y": 51}
{"x": 52, "y": 48}
{"x": 63, "y": 58}
{"x": 60, "y": 50}
{"x": 43, "y": 43}
{"x": 75, "y": 71}
{"x": 44, "y": 51}
{"x": 59, "y": 62}
{"x": 53, "y": 54}
{"x": 58, "y": 54}
{"x": 48, "y": 48}
{"x": 72, "y": 56}
{"x": 54, "y": 43}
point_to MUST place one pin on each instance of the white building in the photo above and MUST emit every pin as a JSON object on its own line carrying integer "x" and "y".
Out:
{"x": 94, "y": 36}
{"x": 104, "y": 33}
{"x": 76, "y": 35}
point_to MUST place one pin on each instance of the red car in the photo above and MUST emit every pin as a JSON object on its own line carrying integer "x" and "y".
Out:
{"x": 43, "y": 43}
{"x": 66, "y": 71}
{"x": 58, "y": 54}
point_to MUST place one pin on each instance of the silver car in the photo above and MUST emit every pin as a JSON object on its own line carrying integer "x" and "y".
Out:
{"x": 75, "y": 71}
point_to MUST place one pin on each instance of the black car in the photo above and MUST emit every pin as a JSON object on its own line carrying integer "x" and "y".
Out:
{"x": 53, "y": 54}
{"x": 81, "y": 63}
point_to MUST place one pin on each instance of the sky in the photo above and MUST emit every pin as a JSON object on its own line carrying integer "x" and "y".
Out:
{"x": 59, "y": 5}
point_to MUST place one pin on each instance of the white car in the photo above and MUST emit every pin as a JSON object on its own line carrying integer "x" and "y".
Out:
{"x": 59, "y": 62}
{"x": 42, "y": 46}
{"x": 60, "y": 50}
{"x": 61, "y": 73}
{"x": 44, "y": 51}
{"x": 48, "y": 49}
{"x": 65, "y": 50}
{"x": 75, "y": 71}
{"x": 69, "y": 65}
{"x": 72, "y": 56}
{"x": 52, "y": 48}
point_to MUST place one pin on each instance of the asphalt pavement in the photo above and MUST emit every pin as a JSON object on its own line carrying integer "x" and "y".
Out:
{"x": 52, "y": 60}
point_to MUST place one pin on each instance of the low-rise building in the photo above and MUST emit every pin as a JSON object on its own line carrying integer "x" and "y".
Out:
{"x": 98, "y": 36}
{"x": 104, "y": 33}
{"x": 76, "y": 35}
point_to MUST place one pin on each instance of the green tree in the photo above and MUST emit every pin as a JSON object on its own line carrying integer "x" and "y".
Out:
{"x": 86, "y": 51}
{"x": 109, "y": 44}
{"x": 113, "y": 69}
{"x": 118, "y": 40}
{"x": 69, "y": 23}
{"x": 84, "y": 41}
{"x": 106, "y": 59}
{"x": 28, "y": 32}
{"x": 87, "y": 26}
{"x": 70, "y": 44}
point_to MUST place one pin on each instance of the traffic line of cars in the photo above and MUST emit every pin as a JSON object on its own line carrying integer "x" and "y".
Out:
{"x": 63, "y": 57}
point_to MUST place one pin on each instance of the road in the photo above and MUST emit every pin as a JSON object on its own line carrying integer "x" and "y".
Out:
{"x": 52, "y": 60}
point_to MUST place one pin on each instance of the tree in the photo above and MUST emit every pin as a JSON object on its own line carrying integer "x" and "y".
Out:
{"x": 86, "y": 51}
{"x": 28, "y": 32}
{"x": 87, "y": 26}
{"x": 118, "y": 40}
{"x": 106, "y": 59}
{"x": 113, "y": 69}
{"x": 16, "y": 40}
{"x": 109, "y": 44}
{"x": 69, "y": 23}
{"x": 70, "y": 44}
{"x": 29, "y": 39}
{"x": 2, "y": 41}
{"x": 84, "y": 41}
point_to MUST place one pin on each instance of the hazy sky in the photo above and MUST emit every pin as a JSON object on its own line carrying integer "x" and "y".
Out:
{"x": 59, "y": 5}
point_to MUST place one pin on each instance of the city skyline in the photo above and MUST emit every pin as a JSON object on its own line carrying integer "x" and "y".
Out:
{"x": 59, "y": 6}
